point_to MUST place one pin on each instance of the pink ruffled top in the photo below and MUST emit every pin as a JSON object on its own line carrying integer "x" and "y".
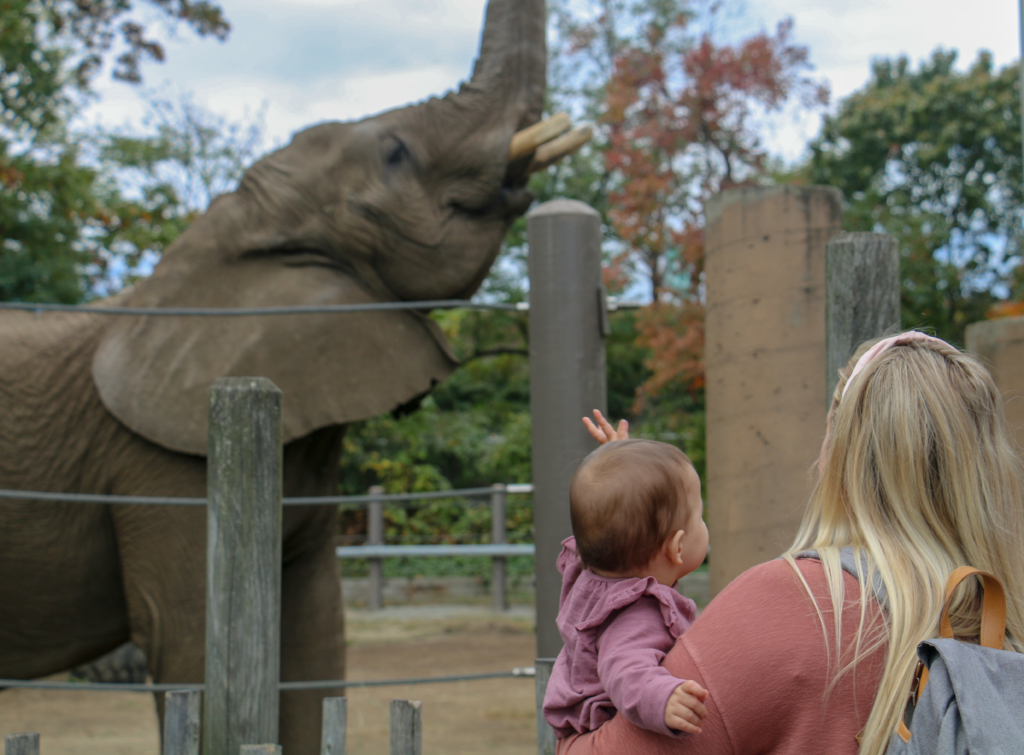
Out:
{"x": 615, "y": 633}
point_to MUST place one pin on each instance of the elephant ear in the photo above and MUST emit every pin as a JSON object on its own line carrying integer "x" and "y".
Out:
{"x": 154, "y": 373}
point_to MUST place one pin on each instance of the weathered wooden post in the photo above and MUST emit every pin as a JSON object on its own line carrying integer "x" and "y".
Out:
{"x": 765, "y": 366}
{"x": 498, "y": 535}
{"x": 545, "y": 734}
{"x": 260, "y": 750}
{"x": 243, "y": 597}
{"x": 181, "y": 722}
{"x": 335, "y": 724}
{"x": 21, "y": 744}
{"x": 862, "y": 297}
{"x": 375, "y": 536}
{"x": 406, "y": 727}
{"x": 567, "y": 378}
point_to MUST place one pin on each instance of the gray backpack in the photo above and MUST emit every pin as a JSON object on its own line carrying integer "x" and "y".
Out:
{"x": 966, "y": 699}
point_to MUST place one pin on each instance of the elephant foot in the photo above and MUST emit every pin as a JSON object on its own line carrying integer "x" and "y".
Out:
{"x": 125, "y": 664}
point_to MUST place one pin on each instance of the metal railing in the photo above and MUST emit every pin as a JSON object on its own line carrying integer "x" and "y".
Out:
{"x": 375, "y": 550}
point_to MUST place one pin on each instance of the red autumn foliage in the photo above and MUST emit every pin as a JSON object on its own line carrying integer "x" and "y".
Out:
{"x": 681, "y": 127}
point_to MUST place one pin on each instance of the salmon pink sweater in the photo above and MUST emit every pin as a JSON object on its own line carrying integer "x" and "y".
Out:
{"x": 759, "y": 650}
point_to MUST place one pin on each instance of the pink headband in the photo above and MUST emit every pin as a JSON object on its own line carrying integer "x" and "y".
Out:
{"x": 883, "y": 346}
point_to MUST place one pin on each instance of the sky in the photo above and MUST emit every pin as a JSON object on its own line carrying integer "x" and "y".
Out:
{"x": 307, "y": 61}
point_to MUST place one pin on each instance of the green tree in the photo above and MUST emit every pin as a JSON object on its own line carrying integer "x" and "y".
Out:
{"x": 932, "y": 155}
{"x": 62, "y": 220}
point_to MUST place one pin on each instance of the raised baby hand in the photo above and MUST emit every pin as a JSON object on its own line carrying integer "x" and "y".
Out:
{"x": 603, "y": 431}
{"x": 685, "y": 709}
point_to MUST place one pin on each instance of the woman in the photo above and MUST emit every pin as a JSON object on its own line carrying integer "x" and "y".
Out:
{"x": 919, "y": 475}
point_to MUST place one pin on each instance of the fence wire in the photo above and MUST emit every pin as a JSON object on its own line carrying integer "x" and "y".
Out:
{"x": 325, "y": 500}
{"x": 310, "y": 309}
{"x": 522, "y": 671}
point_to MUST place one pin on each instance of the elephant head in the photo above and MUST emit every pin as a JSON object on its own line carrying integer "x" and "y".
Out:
{"x": 412, "y": 204}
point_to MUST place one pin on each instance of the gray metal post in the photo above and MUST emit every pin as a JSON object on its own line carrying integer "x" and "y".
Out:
{"x": 181, "y": 722}
{"x": 498, "y": 535}
{"x": 567, "y": 378}
{"x": 243, "y": 589}
{"x": 545, "y": 734}
{"x": 406, "y": 727}
{"x": 1020, "y": 19}
{"x": 862, "y": 296}
{"x": 332, "y": 739}
{"x": 375, "y": 536}
{"x": 21, "y": 744}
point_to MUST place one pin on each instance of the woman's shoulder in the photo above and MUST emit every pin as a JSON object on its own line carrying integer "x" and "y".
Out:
{"x": 769, "y": 602}
{"x": 776, "y": 580}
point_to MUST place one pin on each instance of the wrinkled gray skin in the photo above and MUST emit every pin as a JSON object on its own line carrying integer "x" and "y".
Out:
{"x": 411, "y": 204}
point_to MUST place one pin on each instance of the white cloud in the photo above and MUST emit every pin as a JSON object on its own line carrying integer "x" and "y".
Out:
{"x": 314, "y": 60}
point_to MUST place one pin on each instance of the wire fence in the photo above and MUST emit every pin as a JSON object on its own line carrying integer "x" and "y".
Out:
{"x": 327, "y": 500}
{"x": 311, "y": 309}
{"x": 612, "y": 305}
{"x": 518, "y": 672}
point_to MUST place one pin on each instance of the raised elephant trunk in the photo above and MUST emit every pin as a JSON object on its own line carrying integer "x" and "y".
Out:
{"x": 510, "y": 72}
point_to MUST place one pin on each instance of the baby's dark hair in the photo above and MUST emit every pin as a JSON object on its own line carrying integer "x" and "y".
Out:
{"x": 625, "y": 499}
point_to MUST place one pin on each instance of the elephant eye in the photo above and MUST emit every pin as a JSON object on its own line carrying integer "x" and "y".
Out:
{"x": 397, "y": 153}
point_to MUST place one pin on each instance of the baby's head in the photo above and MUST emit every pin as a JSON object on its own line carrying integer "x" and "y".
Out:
{"x": 628, "y": 501}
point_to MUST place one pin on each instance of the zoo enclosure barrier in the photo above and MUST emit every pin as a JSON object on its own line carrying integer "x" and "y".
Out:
{"x": 375, "y": 550}
{"x": 182, "y": 719}
{"x": 244, "y": 504}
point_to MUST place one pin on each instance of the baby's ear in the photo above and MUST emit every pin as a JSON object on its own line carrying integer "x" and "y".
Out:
{"x": 675, "y": 547}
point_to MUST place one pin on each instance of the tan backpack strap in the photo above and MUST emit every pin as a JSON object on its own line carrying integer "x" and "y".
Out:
{"x": 993, "y": 625}
{"x": 993, "y": 607}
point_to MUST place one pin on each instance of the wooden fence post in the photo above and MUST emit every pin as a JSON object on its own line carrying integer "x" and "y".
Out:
{"x": 375, "y": 536}
{"x": 260, "y": 750}
{"x": 181, "y": 722}
{"x": 332, "y": 739}
{"x": 243, "y": 599}
{"x": 406, "y": 727}
{"x": 568, "y": 321}
{"x": 499, "y": 585}
{"x": 545, "y": 734}
{"x": 21, "y": 744}
{"x": 862, "y": 296}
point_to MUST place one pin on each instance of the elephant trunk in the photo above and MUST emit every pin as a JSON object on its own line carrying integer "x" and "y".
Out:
{"x": 506, "y": 91}
{"x": 511, "y": 68}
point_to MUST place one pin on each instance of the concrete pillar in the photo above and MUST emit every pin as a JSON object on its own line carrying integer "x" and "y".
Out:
{"x": 765, "y": 366}
{"x": 567, "y": 379}
{"x": 1000, "y": 345}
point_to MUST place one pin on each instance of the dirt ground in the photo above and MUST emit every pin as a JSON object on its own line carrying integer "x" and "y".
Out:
{"x": 492, "y": 716}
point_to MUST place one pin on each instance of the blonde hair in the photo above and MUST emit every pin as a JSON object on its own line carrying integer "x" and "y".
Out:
{"x": 921, "y": 475}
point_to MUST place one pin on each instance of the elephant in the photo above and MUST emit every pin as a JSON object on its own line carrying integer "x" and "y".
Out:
{"x": 409, "y": 205}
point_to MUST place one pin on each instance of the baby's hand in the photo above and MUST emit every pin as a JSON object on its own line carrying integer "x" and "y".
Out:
{"x": 603, "y": 431}
{"x": 685, "y": 709}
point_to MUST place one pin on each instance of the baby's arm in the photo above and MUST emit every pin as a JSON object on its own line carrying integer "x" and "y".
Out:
{"x": 628, "y": 656}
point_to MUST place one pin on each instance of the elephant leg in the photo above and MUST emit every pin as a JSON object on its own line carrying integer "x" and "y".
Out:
{"x": 312, "y": 642}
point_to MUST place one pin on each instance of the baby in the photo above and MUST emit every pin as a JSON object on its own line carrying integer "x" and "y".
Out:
{"x": 636, "y": 516}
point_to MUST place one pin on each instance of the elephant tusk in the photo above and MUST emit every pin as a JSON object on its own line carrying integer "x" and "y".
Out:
{"x": 554, "y": 151}
{"x": 527, "y": 141}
